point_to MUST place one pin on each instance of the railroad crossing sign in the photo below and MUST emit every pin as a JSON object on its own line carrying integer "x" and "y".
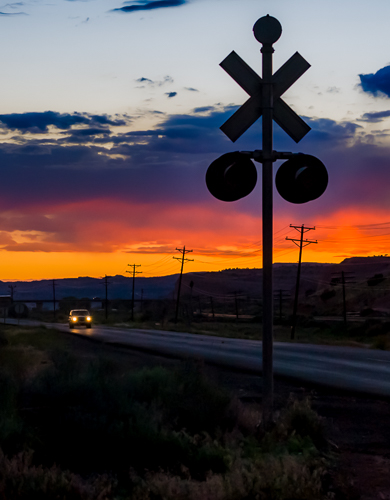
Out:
{"x": 252, "y": 109}
{"x": 302, "y": 178}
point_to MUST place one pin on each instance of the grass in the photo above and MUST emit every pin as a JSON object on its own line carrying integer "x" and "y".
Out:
{"x": 78, "y": 428}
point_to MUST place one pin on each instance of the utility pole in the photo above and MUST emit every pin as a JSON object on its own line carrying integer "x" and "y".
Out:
{"x": 344, "y": 280}
{"x": 132, "y": 297}
{"x": 236, "y": 304}
{"x": 106, "y": 283}
{"x": 12, "y": 288}
{"x": 212, "y": 306}
{"x": 54, "y": 299}
{"x": 200, "y": 307}
{"x": 281, "y": 296}
{"x": 191, "y": 287}
{"x": 301, "y": 243}
{"x": 183, "y": 251}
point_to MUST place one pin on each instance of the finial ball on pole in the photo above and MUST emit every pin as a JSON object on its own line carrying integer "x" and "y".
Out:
{"x": 267, "y": 30}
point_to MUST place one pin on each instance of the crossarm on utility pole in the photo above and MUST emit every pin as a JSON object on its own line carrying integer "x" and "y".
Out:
{"x": 301, "y": 241}
{"x": 132, "y": 297}
{"x": 183, "y": 251}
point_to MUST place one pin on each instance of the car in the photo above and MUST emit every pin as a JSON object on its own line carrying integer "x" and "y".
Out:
{"x": 78, "y": 317}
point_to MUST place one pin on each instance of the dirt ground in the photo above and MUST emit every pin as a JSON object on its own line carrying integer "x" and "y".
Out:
{"x": 358, "y": 426}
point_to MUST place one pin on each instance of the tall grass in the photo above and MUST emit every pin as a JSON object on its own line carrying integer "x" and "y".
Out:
{"x": 89, "y": 430}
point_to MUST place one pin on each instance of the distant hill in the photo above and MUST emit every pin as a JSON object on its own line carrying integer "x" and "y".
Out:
{"x": 370, "y": 287}
{"x": 120, "y": 287}
{"x": 248, "y": 282}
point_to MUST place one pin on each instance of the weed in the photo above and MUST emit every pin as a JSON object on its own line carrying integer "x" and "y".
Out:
{"x": 299, "y": 419}
{"x": 381, "y": 342}
{"x": 181, "y": 436}
{"x": 19, "y": 478}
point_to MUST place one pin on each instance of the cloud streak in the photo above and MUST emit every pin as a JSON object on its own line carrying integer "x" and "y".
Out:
{"x": 375, "y": 117}
{"x": 149, "y": 5}
{"x": 40, "y": 122}
{"x": 13, "y": 14}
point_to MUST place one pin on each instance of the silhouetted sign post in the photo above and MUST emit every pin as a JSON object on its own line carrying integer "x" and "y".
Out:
{"x": 233, "y": 175}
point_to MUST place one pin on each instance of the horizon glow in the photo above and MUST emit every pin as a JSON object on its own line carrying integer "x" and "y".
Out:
{"x": 111, "y": 119}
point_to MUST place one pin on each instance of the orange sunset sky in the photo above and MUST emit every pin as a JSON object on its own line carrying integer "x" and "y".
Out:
{"x": 105, "y": 140}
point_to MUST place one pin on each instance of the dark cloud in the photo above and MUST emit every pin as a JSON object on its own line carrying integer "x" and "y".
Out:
{"x": 191, "y": 89}
{"x": 171, "y": 94}
{"x": 166, "y": 166}
{"x": 326, "y": 130}
{"x": 144, "y": 80}
{"x": 155, "y": 83}
{"x": 375, "y": 117}
{"x": 85, "y": 135}
{"x": 377, "y": 84}
{"x": 204, "y": 109}
{"x": 39, "y": 122}
{"x": 149, "y": 5}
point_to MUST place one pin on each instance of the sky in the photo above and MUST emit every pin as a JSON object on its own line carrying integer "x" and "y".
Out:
{"x": 110, "y": 114}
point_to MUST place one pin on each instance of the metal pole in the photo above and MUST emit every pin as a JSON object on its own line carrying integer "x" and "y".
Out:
{"x": 200, "y": 307}
{"x": 344, "y": 301}
{"x": 280, "y": 305}
{"x": 294, "y": 318}
{"x": 267, "y": 106}
{"x": 54, "y": 299}
{"x": 106, "y": 285}
{"x": 212, "y": 307}
{"x": 179, "y": 287}
{"x": 132, "y": 296}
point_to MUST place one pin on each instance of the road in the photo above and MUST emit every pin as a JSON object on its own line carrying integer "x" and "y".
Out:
{"x": 348, "y": 368}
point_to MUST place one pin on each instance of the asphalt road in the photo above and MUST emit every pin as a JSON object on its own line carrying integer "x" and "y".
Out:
{"x": 347, "y": 368}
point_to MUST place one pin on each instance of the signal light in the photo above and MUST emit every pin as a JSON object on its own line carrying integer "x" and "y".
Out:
{"x": 231, "y": 177}
{"x": 301, "y": 179}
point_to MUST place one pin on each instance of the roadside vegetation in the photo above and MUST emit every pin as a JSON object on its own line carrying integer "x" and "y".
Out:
{"x": 85, "y": 427}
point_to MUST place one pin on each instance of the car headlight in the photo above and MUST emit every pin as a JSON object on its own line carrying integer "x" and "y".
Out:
{"x": 74, "y": 319}
{"x": 89, "y": 318}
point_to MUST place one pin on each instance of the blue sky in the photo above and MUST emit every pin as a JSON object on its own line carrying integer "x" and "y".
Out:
{"x": 110, "y": 115}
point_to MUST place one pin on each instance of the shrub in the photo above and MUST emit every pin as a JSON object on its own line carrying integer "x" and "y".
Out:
{"x": 179, "y": 435}
{"x": 20, "y": 479}
{"x": 91, "y": 419}
{"x": 299, "y": 419}
{"x": 382, "y": 342}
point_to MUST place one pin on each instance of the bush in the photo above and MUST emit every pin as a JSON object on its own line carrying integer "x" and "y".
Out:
{"x": 97, "y": 433}
{"x": 382, "y": 342}
{"x": 90, "y": 419}
{"x": 20, "y": 479}
{"x": 299, "y": 419}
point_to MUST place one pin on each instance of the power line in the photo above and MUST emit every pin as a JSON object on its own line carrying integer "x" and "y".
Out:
{"x": 54, "y": 298}
{"x": 12, "y": 288}
{"x": 132, "y": 297}
{"x": 343, "y": 281}
{"x": 302, "y": 243}
{"x": 106, "y": 283}
{"x": 183, "y": 251}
